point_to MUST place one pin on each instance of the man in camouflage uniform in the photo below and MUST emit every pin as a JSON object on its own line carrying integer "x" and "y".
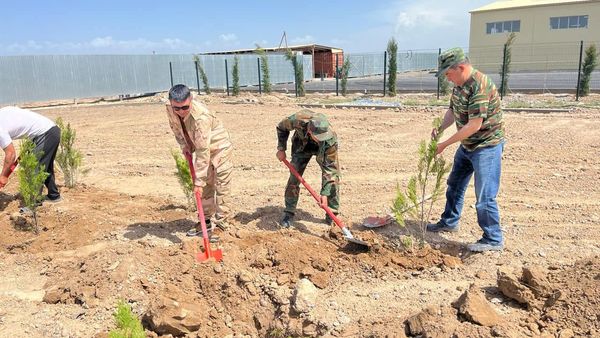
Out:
{"x": 475, "y": 109}
{"x": 198, "y": 131}
{"x": 312, "y": 136}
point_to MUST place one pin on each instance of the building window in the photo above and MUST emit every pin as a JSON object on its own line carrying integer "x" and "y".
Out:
{"x": 503, "y": 27}
{"x": 566, "y": 22}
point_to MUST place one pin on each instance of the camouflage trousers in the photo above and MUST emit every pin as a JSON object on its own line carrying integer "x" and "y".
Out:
{"x": 292, "y": 190}
{"x": 217, "y": 192}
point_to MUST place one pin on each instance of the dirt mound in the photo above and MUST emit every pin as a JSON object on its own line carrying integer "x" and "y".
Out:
{"x": 92, "y": 257}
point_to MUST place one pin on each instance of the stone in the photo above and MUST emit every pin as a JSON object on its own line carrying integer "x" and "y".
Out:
{"x": 536, "y": 279}
{"x": 475, "y": 308}
{"x": 175, "y": 317}
{"x": 305, "y": 296}
{"x": 512, "y": 288}
{"x": 566, "y": 333}
{"x": 53, "y": 295}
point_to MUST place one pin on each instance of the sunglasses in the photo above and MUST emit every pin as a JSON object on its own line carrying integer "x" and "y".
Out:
{"x": 181, "y": 108}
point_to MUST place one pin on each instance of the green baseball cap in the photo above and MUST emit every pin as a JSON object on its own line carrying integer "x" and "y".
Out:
{"x": 448, "y": 59}
{"x": 319, "y": 128}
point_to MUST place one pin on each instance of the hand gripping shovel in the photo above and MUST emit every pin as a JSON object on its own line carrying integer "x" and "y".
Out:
{"x": 347, "y": 234}
{"x": 13, "y": 166}
{"x": 208, "y": 253}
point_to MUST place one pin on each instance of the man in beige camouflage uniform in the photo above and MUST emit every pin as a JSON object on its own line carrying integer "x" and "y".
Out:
{"x": 198, "y": 131}
{"x": 475, "y": 109}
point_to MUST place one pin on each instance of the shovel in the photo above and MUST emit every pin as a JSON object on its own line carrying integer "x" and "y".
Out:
{"x": 347, "y": 234}
{"x": 217, "y": 254}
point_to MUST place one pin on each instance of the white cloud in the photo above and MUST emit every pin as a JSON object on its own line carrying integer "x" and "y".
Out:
{"x": 229, "y": 37}
{"x": 102, "y": 42}
{"x": 419, "y": 24}
{"x": 104, "y": 45}
{"x": 303, "y": 40}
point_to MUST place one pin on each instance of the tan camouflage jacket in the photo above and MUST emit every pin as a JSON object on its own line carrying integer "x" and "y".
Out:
{"x": 211, "y": 140}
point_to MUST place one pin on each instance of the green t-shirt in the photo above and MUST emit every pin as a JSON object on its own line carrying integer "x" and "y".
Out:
{"x": 478, "y": 98}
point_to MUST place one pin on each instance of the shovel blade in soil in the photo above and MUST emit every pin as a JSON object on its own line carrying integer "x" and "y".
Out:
{"x": 216, "y": 255}
{"x": 358, "y": 241}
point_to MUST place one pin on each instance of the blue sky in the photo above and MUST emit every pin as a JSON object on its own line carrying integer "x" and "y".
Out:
{"x": 173, "y": 27}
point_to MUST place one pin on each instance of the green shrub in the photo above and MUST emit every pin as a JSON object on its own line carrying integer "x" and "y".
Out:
{"x": 236, "y": 76}
{"x": 264, "y": 67}
{"x": 445, "y": 87}
{"x": 31, "y": 178}
{"x": 428, "y": 181}
{"x": 69, "y": 158}
{"x": 298, "y": 71}
{"x": 344, "y": 78}
{"x": 589, "y": 64}
{"x": 128, "y": 325}
{"x": 392, "y": 50}
{"x": 505, "y": 72}
{"x": 184, "y": 177}
{"x": 202, "y": 75}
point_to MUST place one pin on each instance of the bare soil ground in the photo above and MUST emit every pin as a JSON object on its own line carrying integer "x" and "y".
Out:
{"x": 121, "y": 233}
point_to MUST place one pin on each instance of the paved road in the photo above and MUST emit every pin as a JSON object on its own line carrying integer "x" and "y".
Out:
{"x": 424, "y": 81}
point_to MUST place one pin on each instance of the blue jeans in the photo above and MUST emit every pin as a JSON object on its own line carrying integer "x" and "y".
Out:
{"x": 485, "y": 163}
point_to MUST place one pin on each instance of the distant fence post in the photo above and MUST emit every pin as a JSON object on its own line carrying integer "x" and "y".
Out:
{"x": 259, "y": 83}
{"x": 384, "y": 70}
{"x": 197, "y": 76}
{"x": 226, "y": 77}
{"x": 438, "y": 79}
{"x": 171, "y": 73}
{"x": 337, "y": 78}
{"x": 579, "y": 71}
{"x": 503, "y": 77}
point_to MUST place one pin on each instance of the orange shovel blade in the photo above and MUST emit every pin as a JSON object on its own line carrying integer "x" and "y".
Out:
{"x": 217, "y": 254}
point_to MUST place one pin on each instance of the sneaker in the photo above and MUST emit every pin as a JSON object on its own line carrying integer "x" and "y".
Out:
{"x": 53, "y": 200}
{"x": 440, "y": 227}
{"x": 484, "y": 245}
{"x": 287, "y": 220}
{"x": 221, "y": 224}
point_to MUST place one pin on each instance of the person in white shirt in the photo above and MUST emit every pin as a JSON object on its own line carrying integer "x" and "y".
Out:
{"x": 16, "y": 123}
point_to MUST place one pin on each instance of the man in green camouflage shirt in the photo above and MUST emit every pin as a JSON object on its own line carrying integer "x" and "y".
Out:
{"x": 312, "y": 136}
{"x": 475, "y": 109}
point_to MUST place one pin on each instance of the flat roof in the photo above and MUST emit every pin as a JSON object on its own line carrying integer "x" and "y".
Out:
{"x": 512, "y": 4}
{"x": 304, "y": 48}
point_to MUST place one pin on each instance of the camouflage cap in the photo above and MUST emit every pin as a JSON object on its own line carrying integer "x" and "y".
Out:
{"x": 319, "y": 128}
{"x": 448, "y": 59}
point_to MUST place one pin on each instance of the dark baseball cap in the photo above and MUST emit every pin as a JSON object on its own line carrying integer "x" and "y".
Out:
{"x": 448, "y": 59}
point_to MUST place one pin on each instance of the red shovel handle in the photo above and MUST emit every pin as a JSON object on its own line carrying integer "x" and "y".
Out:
{"x": 208, "y": 253}
{"x": 337, "y": 221}
{"x": 13, "y": 166}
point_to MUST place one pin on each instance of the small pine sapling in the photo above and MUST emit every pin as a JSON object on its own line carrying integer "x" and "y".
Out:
{"x": 589, "y": 64}
{"x": 236, "y": 76}
{"x": 31, "y": 178}
{"x": 69, "y": 158}
{"x": 298, "y": 71}
{"x": 428, "y": 181}
{"x": 202, "y": 75}
{"x": 184, "y": 176}
{"x": 264, "y": 67}
{"x": 392, "y": 50}
{"x": 345, "y": 71}
{"x": 128, "y": 324}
